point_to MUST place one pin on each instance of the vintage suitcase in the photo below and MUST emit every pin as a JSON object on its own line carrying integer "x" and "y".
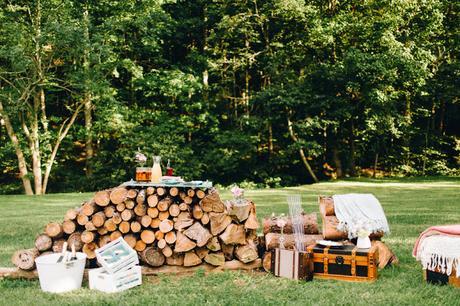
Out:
{"x": 292, "y": 264}
{"x": 439, "y": 278}
{"x": 344, "y": 263}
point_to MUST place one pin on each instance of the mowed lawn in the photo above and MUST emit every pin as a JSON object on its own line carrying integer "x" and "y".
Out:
{"x": 411, "y": 205}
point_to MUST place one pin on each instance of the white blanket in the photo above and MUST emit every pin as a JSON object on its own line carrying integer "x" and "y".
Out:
{"x": 357, "y": 212}
{"x": 441, "y": 253}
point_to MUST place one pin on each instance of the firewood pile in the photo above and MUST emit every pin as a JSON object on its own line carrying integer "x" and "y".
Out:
{"x": 165, "y": 225}
{"x": 272, "y": 235}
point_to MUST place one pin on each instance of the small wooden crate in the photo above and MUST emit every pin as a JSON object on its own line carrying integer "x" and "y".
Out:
{"x": 438, "y": 278}
{"x": 292, "y": 264}
{"x": 347, "y": 263}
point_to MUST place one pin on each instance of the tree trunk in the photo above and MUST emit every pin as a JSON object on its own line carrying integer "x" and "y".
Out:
{"x": 352, "y": 149}
{"x": 376, "y": 160}
{"x": 22, "y": 165}
{"x": 301, "y": 151}
{"x": 337, "y": 162}
{"x": 89, "y": 151}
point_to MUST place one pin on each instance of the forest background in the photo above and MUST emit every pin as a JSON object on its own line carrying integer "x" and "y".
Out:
{"x": 261, "y": 93}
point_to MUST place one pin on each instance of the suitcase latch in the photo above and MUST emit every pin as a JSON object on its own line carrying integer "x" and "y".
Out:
{"x": 339, "y": 260}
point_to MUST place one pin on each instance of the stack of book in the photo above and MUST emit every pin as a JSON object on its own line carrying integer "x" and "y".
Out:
{"x": 120, "y": 268}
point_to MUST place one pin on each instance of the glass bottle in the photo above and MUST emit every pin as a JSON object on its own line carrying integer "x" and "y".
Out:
{"x": 169, "y": 170}
{"x": 156, "y": 170}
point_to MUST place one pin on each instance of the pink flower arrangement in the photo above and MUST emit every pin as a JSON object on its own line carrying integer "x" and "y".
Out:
{"x": 237, "y": 192}
{"x": 140, "y": 158}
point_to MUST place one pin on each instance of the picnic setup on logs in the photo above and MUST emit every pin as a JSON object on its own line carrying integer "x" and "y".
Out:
{"x": 161, "y": 224}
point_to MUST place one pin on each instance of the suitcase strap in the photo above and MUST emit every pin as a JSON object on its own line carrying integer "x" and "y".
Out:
{"x": 353, "y": 262}
{"x": 326, "y": 260}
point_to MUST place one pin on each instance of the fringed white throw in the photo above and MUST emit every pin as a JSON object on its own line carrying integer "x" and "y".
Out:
{"x": 440, "y": 253}
{"x": 357, "y": 212}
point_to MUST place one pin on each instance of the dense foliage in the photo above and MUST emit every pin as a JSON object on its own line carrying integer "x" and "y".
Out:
{"x": 271, "y": 92}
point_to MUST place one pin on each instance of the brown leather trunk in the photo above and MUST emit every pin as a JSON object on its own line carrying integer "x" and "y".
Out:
{"x": 292, "y": 264}
{"x": 346, "y": 263}
{"x": 438, "y": 278}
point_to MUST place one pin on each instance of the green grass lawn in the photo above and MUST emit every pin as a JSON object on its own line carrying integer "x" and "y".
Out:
{"x": 410, "y": 206}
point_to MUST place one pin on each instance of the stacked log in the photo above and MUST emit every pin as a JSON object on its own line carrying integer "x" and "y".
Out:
{"x": 272, "y": 234}
{"x": 330, "y": 221}
{"x": 165, "y": 225}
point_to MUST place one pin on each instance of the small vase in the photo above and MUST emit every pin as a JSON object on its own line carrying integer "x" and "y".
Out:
{"x": 363, "y": 243}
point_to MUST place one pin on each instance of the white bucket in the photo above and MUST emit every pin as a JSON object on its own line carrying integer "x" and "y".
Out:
{"x": 60, "y": 277}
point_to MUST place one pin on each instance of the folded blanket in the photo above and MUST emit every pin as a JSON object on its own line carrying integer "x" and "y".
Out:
{"x": 356, "y": 212}
{"x": 446, "y": 230}
{"x": 440, "y": 253}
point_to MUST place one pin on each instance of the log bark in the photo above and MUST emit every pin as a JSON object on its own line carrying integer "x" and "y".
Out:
{"x": 330, "y": 231}
{"x": 98, "y": 219}
{"x": 191, "y": 259}
{"x": 310, "y": 225}
{"x": 69, "y": 227}
{"x": 198, "y": 233}
{"x": 233, "y": 234}
{"x": 43, "y": 242}
{"x": 118, "y": 195}
{"x": 140, "y": 198}
{"x": 102, "y": 198}
{"x": 175, "y": 260}
{"x": 215, "y": 259}
{"x": 212, "y": 202}
{"x": 272, "y": 241}
{"x": 25, "y": 259}
{"x": 183, "y": 243}
{"x": 326, "y": 206}
{"x": 267, "y": 261}
{"x": 219, "y": 222}
{"x": 148, "y": 236}
{"x": 75, "y": 239}
{"x": 152, "y": 257}
{"x": 54, "y": 230}
{"x": 246, "y": 253}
